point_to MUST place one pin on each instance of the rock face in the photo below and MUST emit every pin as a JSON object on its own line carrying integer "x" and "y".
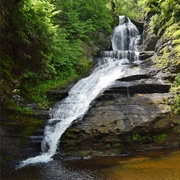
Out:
{"x": 149, "y": 38}
{"x": 133, "y": 115}
{"x": 129, "y": 117}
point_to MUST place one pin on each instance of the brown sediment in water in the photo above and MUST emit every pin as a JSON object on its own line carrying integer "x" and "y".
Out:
{"x": 157, "y": 165}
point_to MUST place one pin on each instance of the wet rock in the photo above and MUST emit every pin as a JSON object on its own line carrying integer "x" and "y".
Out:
{"x": 58, "y": 94}
{"x": 149, "y": 88}
{"x": 42, "y": 114}
{"x": 139, "y": 88}
{"x": 145, "y": 55}
{"x": 134, "y": 77}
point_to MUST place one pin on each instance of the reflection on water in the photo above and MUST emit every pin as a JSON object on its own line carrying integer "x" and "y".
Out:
{"x": 151, "y": 166}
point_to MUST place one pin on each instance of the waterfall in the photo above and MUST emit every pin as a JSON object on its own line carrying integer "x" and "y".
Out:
{"x": 113, "y": 65}
{"x": 125, "y": 36}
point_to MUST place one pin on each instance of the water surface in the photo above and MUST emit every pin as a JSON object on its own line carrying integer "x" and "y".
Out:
{"x": 162, "y": 165}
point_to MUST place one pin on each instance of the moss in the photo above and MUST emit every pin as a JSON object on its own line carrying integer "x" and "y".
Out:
{"x": 177, "y": 48}
{"x": 84, "y": 153}
{"x": 160, "y": 138}
{"x": 176, "y": 34}
{"x": 28, "y": 128}
{"x": 23, "y": 127}
{"x": 135, "y": 136}
{"x": 175, "y": 103}
{"x": 163, "y": 59}
{"x": 71, "y": 133}
{"x": 108, "y": 146}
{"x": 169, "y": 55}
{"x": 20, "y": 111}
{"x": 146, "y": 138}
{"x": 70, "y": 145}
{"x": 117, "y": 145}
{"x": 111, "y": 139}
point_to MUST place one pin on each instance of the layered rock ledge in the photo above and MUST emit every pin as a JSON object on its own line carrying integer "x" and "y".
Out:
{"x": 131, "y": 116}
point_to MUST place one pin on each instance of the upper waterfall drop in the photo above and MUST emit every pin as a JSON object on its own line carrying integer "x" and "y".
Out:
{"x": 113, "y": 65}
{"x": 126, "y": 35}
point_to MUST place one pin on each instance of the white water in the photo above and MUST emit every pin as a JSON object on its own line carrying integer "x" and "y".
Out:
{"x": 77, "y": 103}
{"x": 125, "y": 36}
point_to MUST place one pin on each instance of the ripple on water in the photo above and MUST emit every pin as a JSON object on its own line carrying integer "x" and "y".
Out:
{"x": 154, "y": 166}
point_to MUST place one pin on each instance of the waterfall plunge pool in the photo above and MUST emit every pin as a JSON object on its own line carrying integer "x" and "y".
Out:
{"x": 148, "y": 166}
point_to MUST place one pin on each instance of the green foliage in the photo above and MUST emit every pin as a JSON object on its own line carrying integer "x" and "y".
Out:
{"x": 176, "y": 103}
{"x": 170, "y": 53}
{"x": 134, "y": 9}
{"x": 160, "y": 138}
{"x": 177, "y": 81}
{"x": 167, "y": 13}
{"x": 137, "y": 137}
{"x": 165, "y": 23}
{"x": 6, "y": 75}
{"x": 12, "y": 106}
{"x": 176, "y": 100}
{"x": 108, "y": 146}
{"x": 36, "y": 51}
{"x": 90, "y": 15}
{"x": 29, "y": 126}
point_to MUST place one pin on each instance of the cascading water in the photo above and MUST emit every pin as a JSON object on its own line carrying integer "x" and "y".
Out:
{"x": 114, "y": 65}
{"x": 125, "y": 36}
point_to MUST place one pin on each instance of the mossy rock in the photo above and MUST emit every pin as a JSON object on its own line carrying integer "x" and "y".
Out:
{"x": 108, "y": 146}
{"x": 85, "y": 153}
{"x": 111, "y": 139}
{"x": 116, "y": 145}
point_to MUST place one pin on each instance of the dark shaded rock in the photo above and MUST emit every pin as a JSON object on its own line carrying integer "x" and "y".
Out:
{"x": 125, "y": 20}
{"x": 20, "y": 139}
{"x": 149, "y": 88}
{"x": 42, "y": 114}
{"x": 139, "y": 25}
{"x": 145, "y": 55}
{"x": 120, "y": 90}
{"x": 149, "y": 37}
{"x": 150, "y": 41}
{"x": 57, "y": 95}
{"x": 135, "y": 77}
{"x": 140, "y": 88}
{"x": 141, "y": 83}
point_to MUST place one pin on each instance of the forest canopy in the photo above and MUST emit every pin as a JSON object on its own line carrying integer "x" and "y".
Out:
{"x": 42, "y": 42}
